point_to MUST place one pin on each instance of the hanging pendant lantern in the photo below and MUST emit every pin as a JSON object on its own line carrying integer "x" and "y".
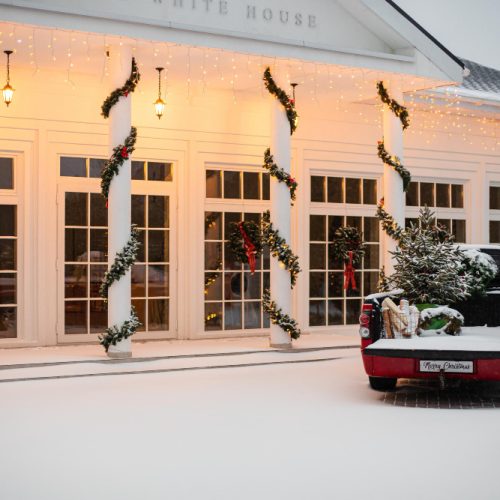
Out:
{"x": 8, "y": 91}
{"x": 159, "y": 103}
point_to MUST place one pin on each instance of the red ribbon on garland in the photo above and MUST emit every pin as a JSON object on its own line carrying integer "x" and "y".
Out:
{"x": 249, "y": 247}
{"x": 349, "y": 278}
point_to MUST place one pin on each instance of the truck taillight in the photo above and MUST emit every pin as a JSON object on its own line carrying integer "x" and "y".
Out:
{"x": 364, "y": 321}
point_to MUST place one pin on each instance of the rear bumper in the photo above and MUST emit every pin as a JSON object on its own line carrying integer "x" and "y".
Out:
{"x": 405, "y": 363}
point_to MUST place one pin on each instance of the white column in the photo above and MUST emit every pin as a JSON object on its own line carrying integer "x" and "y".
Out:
{"x": 281, "y": 219}
{"x": 119, "y": 206}
{"x": 394, "y": 198}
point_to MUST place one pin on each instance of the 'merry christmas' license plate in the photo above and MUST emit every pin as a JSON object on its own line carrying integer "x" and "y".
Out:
{"x": 447, "y": 366}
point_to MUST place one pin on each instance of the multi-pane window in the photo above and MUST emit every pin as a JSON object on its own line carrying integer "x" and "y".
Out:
{"x": 445, "y": 199}
{"x": 8, "y": 270}
{"x": 232, "y": 294}
{"x": 329, "y": 303}
{"x": 494, "y": 214}
{"x": 71, "y": 166}
{"x": 237, "y": 185}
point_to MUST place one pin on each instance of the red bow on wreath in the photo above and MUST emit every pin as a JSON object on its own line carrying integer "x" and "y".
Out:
{"x": 249, "y": 247}
{"x": 349, "y": 278}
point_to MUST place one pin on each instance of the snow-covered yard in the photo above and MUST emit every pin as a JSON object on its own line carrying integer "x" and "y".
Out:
{"x": 298, "y": 431}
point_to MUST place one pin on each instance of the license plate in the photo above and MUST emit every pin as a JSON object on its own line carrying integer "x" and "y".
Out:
{"x": 435, "y": 366}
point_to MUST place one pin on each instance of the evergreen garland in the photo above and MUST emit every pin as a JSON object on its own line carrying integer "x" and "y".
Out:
{"x": 395, "y": 163}
{"x": 112, "y": 166}
{"x": 284, "y": 321}
{"x": 122, "y": 263}
{"x": 279, "y": 248}
{"x": 283, "y": 98}
{"x": 400, "y": 111}
{"x": 124, "y": 91}
{"x": 389, "y": 225}
{"x": 236, "y": 243}
{"x": 348, "y": 239}
{"x": 279, "y": 173}
{"x": 115, "y": 334}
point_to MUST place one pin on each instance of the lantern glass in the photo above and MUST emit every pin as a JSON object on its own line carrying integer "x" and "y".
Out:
{"x": 8, "y": 93}
{"x": 159, "y": 107}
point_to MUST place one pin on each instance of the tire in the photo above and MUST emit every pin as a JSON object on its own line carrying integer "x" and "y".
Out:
{"x": 383, "y": 383}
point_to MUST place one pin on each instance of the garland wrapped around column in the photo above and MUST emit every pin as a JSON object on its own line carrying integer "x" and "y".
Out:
{"x": 278, "y": 246}
{"x": 389, "y": 225}
{"x": 127, "y": 256}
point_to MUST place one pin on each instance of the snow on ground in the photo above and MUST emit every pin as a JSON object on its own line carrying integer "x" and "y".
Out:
{"x": 304, "y": 431}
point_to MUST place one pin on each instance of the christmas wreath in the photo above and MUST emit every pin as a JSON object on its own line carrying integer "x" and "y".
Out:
{"x": 348, "y": 247}
{"x": 245, "y": 242}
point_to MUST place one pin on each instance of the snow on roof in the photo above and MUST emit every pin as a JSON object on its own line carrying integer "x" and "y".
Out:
{"x": 481, "y": 78}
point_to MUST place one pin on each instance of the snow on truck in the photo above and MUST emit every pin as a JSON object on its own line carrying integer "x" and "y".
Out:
{"x": 473, "y": 355}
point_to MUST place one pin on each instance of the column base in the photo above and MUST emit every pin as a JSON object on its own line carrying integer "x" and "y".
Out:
{"x": 287, "y": 345}
{"x": 119, "y": 354}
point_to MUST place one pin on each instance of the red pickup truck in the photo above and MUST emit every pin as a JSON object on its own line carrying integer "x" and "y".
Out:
{"x": 475, "y": 354}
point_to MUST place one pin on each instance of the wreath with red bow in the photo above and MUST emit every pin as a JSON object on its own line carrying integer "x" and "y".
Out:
{"x": 348, "y": 247}
{"x": 245, "y": 242}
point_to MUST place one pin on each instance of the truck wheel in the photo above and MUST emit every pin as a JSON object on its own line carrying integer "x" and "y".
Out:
{"x": 382, "y": 383}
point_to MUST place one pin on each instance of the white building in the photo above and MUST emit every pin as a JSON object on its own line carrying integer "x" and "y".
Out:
{"x": 199, "y": 167}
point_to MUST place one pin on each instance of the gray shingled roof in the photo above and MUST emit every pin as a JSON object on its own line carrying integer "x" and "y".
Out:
{"x": 481, "y": 78}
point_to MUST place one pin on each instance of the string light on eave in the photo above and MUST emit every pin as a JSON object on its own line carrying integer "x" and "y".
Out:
{"x": 159, "y": 103}
{"x": 8, "y": 91}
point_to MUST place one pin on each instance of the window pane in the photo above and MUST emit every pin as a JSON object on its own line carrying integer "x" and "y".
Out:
{"x": 158, "y": 314}
{"x": 457, "y": 195}
{"x": 8, "y": 322}
{"x": 96, "y": 167}
{"x": 494, "y": 231}
{"x": 232, "y": 185}
{"x": 98, "y": 210}
{"x": 494, "y": 197}
{"x": 75, "y": 316}
{"x": 369, "y": 191}
{"x": 442, "y": 195}
{"x": 140, "y": 309}
{"x": 371, "y": 232}
{"x": 98, "y": 316}
{"x": 137, "y": 170}
{"x": 317, "y": 313}
{"x": 336, "y": 284}
{"x": 213, "y": 256}
{"x": 138, "y": 210}
{"x": 251, "y": 183}
{"x": 158, "y": 283}
{"x": 6, "y": 173}
{"x": 252, "y": 315}
{"x": 232, "y": 316}
{"x": 334, "y": 222}
{"x": 159, "y": 171}
{"x": 317, "y": 188}
{"x": 371, "y": 259}
{"x": 213, "y": 184}
{"x": 354, "y": 221}
{"x": 335, "y": 190}
{"x": 317, "y": 256}
{"x": 317, "y": 284}
{"x": 266, "y": 186}
{"x": 426, "y": 194}
{"x": 96, "y": 272}
{"x": 76, "y": 209}
{"x": 232, "y": 286}
{"x": 213, "y": 286}
{"x": 8, "y": 293}
{"x": 458, "y": 227}
{"x": 138, "y": 279}
{"x": 213, "y": 316}
{"x": 333, "y": 263}
{"x": 73, "y": 167}
{"x": 7, "y": 255}
{"x": 251, "y": 286}
{"x": 75, "y": 281}
{"x": 317, "y": 228}
{"x": 98, "y": 245}
{"x": 141, "y": 254}
{"x": 158, "y": 211}
{"x": 412, "y": 195}
{"x": 335, "y": 312}
{"x": 8, "y": 222}
{"x": 352, "y": 311}
{"x": 75, "y": 245}
{"x": 213, "y": 225}
{"x": 370, "y": 282}
{"x": 353, "y": 191}
{"x": 158, "y": 246}
{"x": 230, "y": 218}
